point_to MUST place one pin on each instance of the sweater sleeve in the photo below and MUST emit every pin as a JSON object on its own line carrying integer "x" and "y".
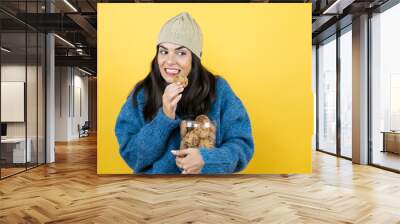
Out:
{"x": 140, "y": 145}
{"x": 237, "y": 147}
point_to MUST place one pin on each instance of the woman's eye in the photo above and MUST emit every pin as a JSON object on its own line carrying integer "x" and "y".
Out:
{"x": 163, "y": 52}
{"x": 181, "y": 53}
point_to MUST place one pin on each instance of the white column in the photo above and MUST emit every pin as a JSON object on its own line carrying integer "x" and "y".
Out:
{"x": 360, "y": 90}
{"x": 50, "y": 93}
{"x": 50, "y": 110}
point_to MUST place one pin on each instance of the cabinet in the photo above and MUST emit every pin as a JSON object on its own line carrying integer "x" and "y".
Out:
{"x": 391, "y": 141}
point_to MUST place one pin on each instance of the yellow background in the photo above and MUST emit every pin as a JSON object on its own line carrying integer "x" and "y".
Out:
{"x": 262, "y": 50}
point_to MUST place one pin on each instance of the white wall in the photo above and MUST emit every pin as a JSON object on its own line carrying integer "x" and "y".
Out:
{"x": 71, "y": 94}
{"x": 81, "y": 100}
{"x": 16, "y": 73}
{"x": 62, "y": 81}
{"x": 13, "y": 72}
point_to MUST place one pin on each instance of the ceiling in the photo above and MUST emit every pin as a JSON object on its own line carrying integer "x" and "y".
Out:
{"x": 76, "y": 22}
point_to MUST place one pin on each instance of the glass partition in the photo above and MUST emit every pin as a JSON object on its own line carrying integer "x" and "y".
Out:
{"x": 13, "y": 103}
{"x": 22, "y": 77}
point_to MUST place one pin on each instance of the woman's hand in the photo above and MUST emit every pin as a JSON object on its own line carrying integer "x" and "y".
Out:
{"x": 190, "y": 160}
{"x": 172, "y": 95}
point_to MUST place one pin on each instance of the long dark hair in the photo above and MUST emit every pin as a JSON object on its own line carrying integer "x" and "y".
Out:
{"x": 196, "y": 98}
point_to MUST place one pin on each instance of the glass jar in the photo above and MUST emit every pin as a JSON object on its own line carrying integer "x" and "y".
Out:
{"x": 198, "y": 133}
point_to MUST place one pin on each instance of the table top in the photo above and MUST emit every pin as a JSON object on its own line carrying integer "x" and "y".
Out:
{"x": 391, "y": 132}
{"x": 13, "y": 140}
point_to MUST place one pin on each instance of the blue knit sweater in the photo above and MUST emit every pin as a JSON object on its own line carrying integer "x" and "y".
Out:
{"x": 146, "y": 146}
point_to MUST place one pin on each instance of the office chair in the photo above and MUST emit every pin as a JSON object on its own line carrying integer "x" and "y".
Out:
{"x": 84, "y": 130}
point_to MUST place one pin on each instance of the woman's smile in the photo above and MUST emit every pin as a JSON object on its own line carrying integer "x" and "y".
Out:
{"x": 172, "y": 71}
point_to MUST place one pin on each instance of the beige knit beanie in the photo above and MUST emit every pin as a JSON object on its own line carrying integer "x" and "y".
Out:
{"x": 182, "y": 30}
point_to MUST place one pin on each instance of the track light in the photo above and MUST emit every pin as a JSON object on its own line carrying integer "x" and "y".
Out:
{"x": 70, "y": 5}
{"x": 84, "y": 71}
{"x": 337, "y": 7}
{"x": 5, "y": 50}
{"x": 64, "y": 40}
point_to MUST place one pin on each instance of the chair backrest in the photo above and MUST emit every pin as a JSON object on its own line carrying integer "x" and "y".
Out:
{"x": 86, "y": 125}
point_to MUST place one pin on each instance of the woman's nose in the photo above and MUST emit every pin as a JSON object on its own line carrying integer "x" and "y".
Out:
{"x": 170, "y": 59}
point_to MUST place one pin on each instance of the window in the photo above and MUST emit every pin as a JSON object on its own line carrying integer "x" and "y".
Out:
{"x": 385, "y": 88}
{"x": 327, "y": 95}
{"x": 346, "y": 93}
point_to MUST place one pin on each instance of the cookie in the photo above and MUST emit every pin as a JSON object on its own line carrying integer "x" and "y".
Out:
{"x": 205, "y": 143}
{"x": 190, "y": 140}
{"x": 202, "y": 119}
{"x": 182, "y": 79}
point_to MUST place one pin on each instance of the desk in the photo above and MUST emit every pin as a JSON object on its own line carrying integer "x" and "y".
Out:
{"x": 391, "y": 141}
{"x": 17, "y": 150}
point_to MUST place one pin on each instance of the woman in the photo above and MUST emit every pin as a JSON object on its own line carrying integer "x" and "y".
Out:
{"x": 147, "y": 127}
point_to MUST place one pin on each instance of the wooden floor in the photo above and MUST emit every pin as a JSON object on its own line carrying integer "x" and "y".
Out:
{"x": 70, "y": 191}
{"x": 387, "y": 159}
{"x": 5, "y": 172}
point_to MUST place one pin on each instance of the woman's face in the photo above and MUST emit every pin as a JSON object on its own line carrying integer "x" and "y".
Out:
{"x": 173, "y": 60}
